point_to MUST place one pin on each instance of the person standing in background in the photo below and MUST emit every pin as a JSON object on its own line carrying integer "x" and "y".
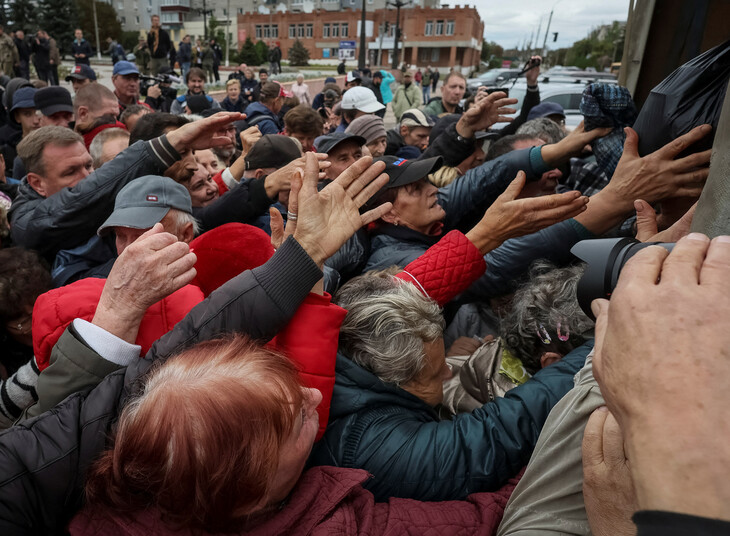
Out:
{"x": 81, "y": 48}
{"x": 158, "y": 40}
{"x": 8, "y": 54}
{"x": 185, "y": 55}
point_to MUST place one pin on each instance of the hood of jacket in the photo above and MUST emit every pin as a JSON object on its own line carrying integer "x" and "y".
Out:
{"x": 256, "y": 109}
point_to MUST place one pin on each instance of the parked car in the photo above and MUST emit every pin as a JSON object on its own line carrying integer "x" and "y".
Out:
{"x": 567, "y": 93}
{"x": 492, "y": 78}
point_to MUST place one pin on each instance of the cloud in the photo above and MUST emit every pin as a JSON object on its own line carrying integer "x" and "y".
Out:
{"x": 511, "y": 23}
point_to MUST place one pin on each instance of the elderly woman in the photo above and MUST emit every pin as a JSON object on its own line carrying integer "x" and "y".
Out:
{"x": 544, "y": 324}
{"x": 180, "y": 472}
{"x": 301, "y": 91}
{"x": 383, "y": 418}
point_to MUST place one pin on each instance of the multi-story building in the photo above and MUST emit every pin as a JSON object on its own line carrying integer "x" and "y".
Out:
{"x": 440, "y": 37}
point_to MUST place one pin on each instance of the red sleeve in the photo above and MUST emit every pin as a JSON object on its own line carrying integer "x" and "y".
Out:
{"x": 447, "y": 268}
{"x": 218, "y": 179}
{"x": 310, "y": 340}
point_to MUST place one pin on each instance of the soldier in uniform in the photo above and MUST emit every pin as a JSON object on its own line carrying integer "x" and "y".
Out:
{"x": 8, "y": 54}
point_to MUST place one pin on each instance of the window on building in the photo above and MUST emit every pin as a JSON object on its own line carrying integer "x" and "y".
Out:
{"x": 345, "y": 30}
{"x": 137, "y": 19}
{"x": 335, "y": 30}
{"x": 335, "y": 52}
{"x": 326, "y": 30}
{"x": 292, "y": 31}
{"x": 370, "y": 1}
{"x": 425, "y": 55}
{"x": 435, "y": 54}
{"x": 240, "y": 11}
{"x": 310, "y": 30}
{"x": 449, "y": 27}
{"x": 258, "y": 31}
{"x": 225, "y": 12}
{"x": 120, "y": 6}
{"x": 429, "y": 28}
{"x": 124, "y": 20}
{"x": 439, "y": 27}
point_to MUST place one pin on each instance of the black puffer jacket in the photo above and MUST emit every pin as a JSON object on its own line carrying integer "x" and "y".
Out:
{"x": 43, "y": 461}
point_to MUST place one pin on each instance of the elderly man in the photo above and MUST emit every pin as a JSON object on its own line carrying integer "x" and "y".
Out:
{"x": 451, "y": 93}
{"x": 107, "y": 145}
{"x": 410, "y": 138}
{"x": 125, "y": 78}
{"x": 62, "y": 205}
{"x": 342, "y": 151}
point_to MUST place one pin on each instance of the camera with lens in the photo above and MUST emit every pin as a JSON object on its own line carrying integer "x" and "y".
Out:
{"x": 165, "y": 82}
{"x": 605, "y": 258}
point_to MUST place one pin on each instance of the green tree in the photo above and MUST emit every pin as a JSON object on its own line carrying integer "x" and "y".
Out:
{"x": 59, "y": 18}
{"x": 21, "y": 16}
{"x": 248, "y": 54}
{"x": 109, "y": 25}
{"x": 262, "y": 49}
{"x": 298, "y": 54}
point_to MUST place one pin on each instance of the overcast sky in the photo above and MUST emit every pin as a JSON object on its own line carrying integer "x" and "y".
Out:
{"x": 509, "y": 22}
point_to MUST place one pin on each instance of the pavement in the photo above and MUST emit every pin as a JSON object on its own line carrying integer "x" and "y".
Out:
{"x": 104, "y": 76}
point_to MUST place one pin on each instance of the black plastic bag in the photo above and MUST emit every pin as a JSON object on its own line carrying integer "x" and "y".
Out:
{"x": 690, "y": 96}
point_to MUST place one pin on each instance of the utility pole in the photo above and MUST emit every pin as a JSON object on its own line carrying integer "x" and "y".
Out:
{"x": 397, "y": 5}
{"x": 96, "y": 31}
{"x": 537, "y": 36}
{"x": 228, "y": 32}
{"x": 362, "y": 55}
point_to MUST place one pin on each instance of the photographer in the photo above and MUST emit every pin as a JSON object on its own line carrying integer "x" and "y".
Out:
{"x": 158, "y": 89}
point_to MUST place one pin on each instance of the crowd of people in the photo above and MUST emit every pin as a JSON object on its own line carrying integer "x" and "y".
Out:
{"x": 267, "y": 313}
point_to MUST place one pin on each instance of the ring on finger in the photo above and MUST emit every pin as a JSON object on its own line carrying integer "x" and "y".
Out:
{"x": 291, "y": 216}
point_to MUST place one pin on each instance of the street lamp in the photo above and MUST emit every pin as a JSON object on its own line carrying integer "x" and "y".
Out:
{"x": 397, "y": 5}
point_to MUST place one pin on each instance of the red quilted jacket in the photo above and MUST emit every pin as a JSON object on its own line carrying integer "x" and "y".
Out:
{"x": 56, "y": 309}
{"x": 447, "y": 268}
{"x": 332, "y": 501}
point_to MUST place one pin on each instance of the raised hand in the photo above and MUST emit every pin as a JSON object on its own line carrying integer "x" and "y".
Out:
{"x": 151, "y": 268}
{"x": 647, "y": 224}
{"x": 658, "y": 175}
{"x": 490, "y": 110}
{"x": 204, "y": 133}
{"x": 509, "y": 217}
{"x": 280, "y": 180}
{"x": 328, "y": 218}
{"x": 571, "y": 145}
{"x": 249, "y": 137}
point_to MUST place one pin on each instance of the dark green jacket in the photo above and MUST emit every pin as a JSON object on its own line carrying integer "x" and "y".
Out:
{"x": 400, "y": 440}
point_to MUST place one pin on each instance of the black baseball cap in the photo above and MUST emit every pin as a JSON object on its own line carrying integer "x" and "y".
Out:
{"x": 324, "y": 144}
{"x": 272, "y": 151}
{"x": 81, "y": 72}
{"x": 402, "y": 172}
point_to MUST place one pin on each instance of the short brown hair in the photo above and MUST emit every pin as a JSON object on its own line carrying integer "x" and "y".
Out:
{"x": 195, "y": 71}
{"x": 304, "y": 119}
{"x": 207, "y": 467}
{"x": 24, "y": 276}
{"x": 91, "y": 96}
{"x": 452, "y": 74}
{"x": 30, "y": 149}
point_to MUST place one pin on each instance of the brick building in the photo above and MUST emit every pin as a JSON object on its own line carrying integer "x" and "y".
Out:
{"x": 440, "y": 37}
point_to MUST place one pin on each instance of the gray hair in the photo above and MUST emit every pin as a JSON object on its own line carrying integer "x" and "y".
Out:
{"x": 96, "y": 148}
{"x": 543, "y": 128}
{"x": 548, "y": 298}
{"x": 388, "y": 321}
{"x": 180, "y": 219}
